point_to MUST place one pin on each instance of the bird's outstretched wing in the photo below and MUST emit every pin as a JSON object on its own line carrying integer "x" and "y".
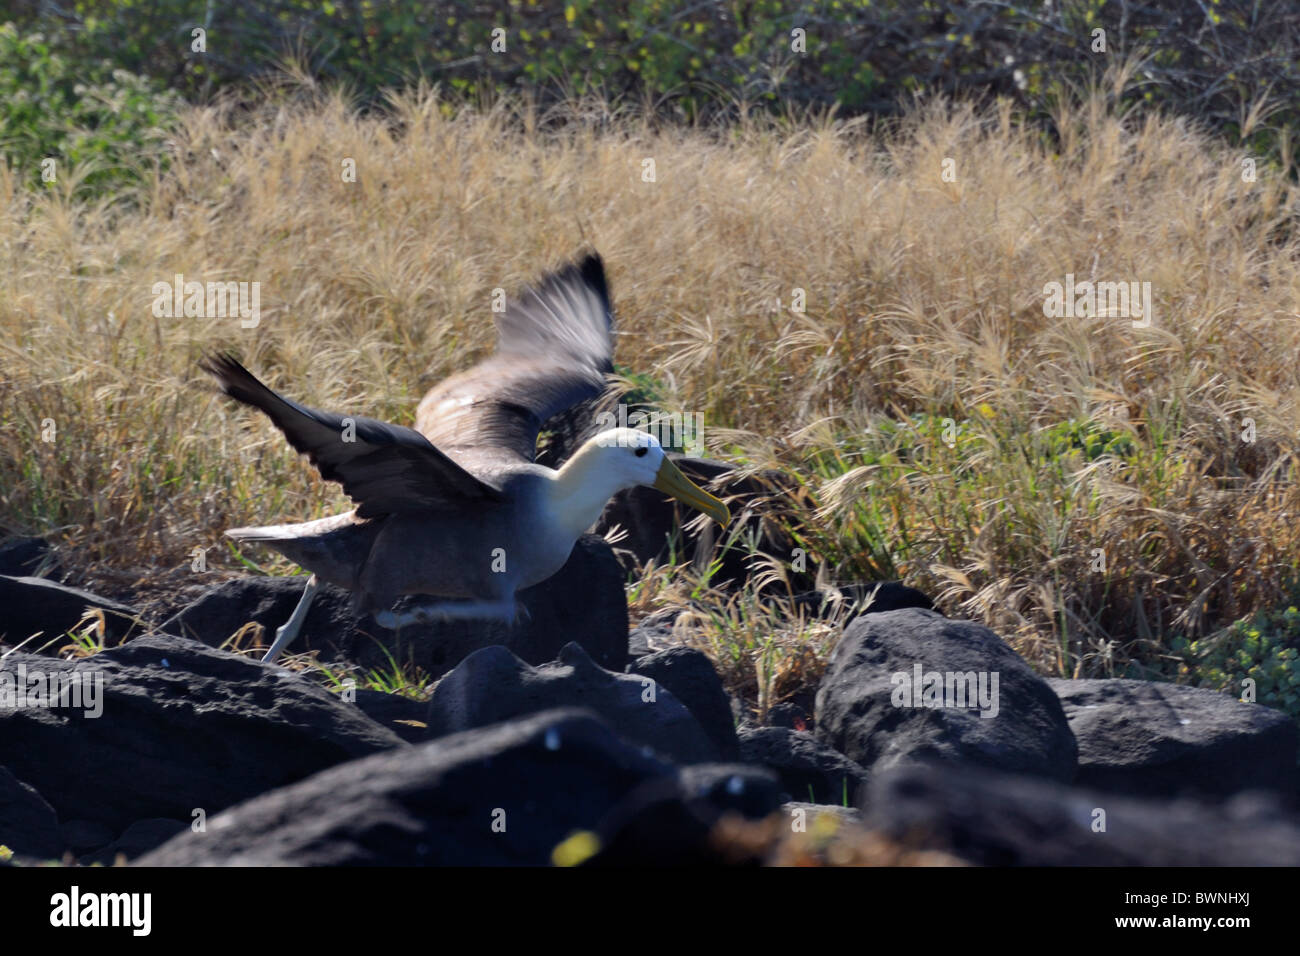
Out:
{"x": 554, "y": 349}
{"x": 384, "y": 468}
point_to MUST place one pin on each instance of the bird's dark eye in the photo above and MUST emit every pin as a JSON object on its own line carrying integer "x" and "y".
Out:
{"x": 640, "y": 452}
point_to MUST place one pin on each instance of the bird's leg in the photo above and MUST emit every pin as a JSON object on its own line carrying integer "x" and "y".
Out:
{"x": 292, "y": 626}
{"x": 448, "y": 611}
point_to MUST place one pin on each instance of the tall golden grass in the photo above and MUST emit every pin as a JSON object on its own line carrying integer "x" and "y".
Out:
{"x": 924, "y": 302}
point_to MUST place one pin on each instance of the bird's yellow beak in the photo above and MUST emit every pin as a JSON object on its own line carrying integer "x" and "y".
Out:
{"x": 671, "y": 481}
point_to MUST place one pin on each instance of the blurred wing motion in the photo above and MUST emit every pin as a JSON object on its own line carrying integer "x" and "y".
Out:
{"x": 384, "y": 468}
{"x": 554, "y": 349}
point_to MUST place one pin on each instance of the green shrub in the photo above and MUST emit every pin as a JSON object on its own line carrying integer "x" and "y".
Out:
{"x": 1212, "y": 62}
{"x": 108, "y": 122}
{"x": 1263, "y": 648}
{"x": 1089, "y": 438}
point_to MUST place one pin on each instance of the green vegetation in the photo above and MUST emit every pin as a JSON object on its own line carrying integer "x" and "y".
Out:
{"x": 100, "y": 127}
{"x": 1263, "y": 648}
{"x": 1217, "y": 63}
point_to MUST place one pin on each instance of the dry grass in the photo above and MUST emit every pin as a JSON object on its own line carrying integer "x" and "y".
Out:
{"x": 924, "y": 303}
{"x": 765, "y": 650}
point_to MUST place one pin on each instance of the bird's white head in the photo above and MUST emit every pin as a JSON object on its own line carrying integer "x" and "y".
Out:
{"x": 630, "y": 457}
{"x": 635, "y": 456}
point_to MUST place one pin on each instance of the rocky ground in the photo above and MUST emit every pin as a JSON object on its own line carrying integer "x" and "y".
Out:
{"x": 566, "y": 739}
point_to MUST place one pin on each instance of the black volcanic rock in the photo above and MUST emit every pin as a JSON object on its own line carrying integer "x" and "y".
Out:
{"x": 808, "y": 769}
{"x": 30, "y": 606}
{"x": 181, "y": 727}
{"x": 492, "y": 685}
{"x": 998, "y": 819}
{"x": 690, "y": 676}
{"x": 874, "y": 669}
{"x": 502, "y": 795}
{"x": 1151, "y": 739}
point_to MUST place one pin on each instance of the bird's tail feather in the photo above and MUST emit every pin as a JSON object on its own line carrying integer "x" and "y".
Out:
{"x": 270, "y": 532}
{"x": 332, "y": 548}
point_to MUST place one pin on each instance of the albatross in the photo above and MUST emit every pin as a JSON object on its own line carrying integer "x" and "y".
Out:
{"x": 456, "y": 509}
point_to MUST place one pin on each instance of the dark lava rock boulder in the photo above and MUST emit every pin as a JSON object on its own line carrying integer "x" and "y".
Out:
{"x": 36, "y": 605}
{"x": 656, "y": 632}
{"x": 997, "y": 819}
{"x": 502, "y": 795}
{"x": 808, "y": 770}
{"x": 493, "y": 685}
{"x": 402, "y": 715}
{"x": 583, "y": 602}
{"x": 791, "y": 716}
{"x": 28, "y": 824}
{"x": 174, "y": 726}
{"x": 643, "y": 641}
{"x": 1151, "y": 739}
{"x": 29, "y": 557}
{"x": 690, "y": 676}
{"x": 904, "y": 685}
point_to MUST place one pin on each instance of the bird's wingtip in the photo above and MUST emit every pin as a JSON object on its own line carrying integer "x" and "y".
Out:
{"x": 592, "y": 270}
{"x": 592, "y": 263}
{"x": 220, "y": 363}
